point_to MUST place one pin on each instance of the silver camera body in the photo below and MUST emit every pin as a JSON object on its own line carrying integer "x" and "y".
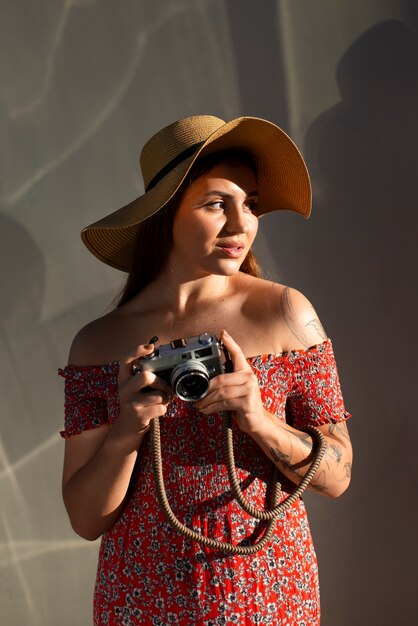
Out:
{"x": 186, "y": 364}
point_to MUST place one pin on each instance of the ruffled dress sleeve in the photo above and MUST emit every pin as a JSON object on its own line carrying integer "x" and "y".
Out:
{"x": 315, "y": 397}
{"x": 91, "y": 397}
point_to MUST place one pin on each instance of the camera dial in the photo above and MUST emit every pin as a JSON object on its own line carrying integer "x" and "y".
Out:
{"x": 205, "y": 339}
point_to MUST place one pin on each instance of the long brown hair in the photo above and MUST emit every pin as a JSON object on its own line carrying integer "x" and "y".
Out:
{"x": 155, "y": 235}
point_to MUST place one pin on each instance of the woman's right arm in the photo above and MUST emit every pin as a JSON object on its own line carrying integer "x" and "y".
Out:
{"x": 98, "y": 463}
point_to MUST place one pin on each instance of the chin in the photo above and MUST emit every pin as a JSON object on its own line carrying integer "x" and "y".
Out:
{"x": 228, "y": 269}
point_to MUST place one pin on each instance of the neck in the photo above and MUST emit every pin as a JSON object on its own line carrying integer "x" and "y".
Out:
{"x": 182, "y": 293}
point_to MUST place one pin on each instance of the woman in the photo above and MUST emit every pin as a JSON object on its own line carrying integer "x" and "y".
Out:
{"x": 186, "y": 243}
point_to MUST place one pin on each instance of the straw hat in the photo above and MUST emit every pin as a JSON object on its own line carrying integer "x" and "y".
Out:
{"x": 282, "y": 176}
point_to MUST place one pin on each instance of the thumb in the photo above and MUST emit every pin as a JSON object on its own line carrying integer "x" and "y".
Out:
{"x": 237, "y": 356}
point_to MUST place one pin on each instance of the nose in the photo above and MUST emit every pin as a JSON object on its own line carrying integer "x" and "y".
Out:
{"x": 236, "y": 220}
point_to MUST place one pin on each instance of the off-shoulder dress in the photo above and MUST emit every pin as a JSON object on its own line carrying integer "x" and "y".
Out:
{"x": 147, "y": 572}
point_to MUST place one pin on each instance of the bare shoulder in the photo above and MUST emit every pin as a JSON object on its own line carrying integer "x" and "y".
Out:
{"x": 299, "y": 319}
{"x": 287, "y": 313}
{"x": 93, "y": 343}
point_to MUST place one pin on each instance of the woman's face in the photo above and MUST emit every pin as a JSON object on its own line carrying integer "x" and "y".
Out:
{"x": 216, "y": 222}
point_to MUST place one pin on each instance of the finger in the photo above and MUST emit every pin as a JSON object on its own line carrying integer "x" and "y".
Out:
{"x": 152, "y": 381}
{"x": 147, "y": 380}
{"x": 224, "y": 394}
{"x": 226, "y": 385}
{"x": 125, "y": 364}
{"x": 156, "y": 410}
{"x": 217, "y": 391}
{"x": 240, "y": 377}
{"x": 237, "y": 356}
{"x": 226, "y": 404}
{"x": 150, "y": 398}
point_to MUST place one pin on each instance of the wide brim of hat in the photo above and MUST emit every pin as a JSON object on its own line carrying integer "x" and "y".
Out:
{"x": 282, "y": 177}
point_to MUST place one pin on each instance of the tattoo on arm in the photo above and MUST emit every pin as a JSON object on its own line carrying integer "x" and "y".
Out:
{"x": 290, "y": 318}
{"x": 318, "y": 327}
{"x": 347, "y": 469}
{"x": 304, "y": 438}
{"x": 334, "y": 465}
{"x": 278, "y": 455}
{"x": 335, "y": 452}
{"x": 286, "y": 459}
{"x": 339, "y": 430}
{"x": 320, "y": 481}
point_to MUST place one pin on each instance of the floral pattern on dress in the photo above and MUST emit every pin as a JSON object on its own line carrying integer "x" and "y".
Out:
{"x": 149, "y": 574}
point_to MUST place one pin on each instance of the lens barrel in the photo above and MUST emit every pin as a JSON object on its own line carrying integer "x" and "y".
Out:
{"x": 190, "y": 380}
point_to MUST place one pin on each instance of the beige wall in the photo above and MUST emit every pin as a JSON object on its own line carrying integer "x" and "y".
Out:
{"x": 83, "y": 84}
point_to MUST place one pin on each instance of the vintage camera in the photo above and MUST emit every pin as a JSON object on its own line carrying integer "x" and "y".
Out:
{"x": 186, "y": 364}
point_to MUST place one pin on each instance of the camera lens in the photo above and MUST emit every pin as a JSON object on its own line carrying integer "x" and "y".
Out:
{"x": 190, "y": 380}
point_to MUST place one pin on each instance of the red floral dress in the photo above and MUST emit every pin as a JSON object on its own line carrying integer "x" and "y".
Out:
{"x": 149, "y": 574}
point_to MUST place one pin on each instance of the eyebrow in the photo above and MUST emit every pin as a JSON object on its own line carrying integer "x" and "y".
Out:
{"x": 224, "y": 194}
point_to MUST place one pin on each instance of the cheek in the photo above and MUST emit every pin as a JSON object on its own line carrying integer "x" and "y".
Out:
{"x": 191, "y": 232}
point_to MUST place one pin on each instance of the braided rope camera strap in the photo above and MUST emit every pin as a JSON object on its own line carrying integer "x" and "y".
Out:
{"x": 270, "y": 515}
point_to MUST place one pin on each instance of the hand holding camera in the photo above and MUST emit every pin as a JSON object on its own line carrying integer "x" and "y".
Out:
{"x": 187, "y": 365}
{"x": 141, "y": 398}
{"x": 237, "y": 391}
{"x": 199, "y": 370}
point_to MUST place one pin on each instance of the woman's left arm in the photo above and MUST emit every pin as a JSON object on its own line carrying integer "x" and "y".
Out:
{"x": 292, "y": 451}
{"x": 289, "y": 448}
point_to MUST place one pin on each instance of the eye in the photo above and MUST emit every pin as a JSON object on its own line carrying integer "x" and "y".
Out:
{"x": 216, "y": 204}
{"x": 252, "y": 205}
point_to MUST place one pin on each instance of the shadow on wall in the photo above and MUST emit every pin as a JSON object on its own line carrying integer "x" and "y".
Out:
{"x": 362, "y": 155}
{"x": 32, "y": 349}
{"x": 260, "y": 82}
{"x": 362, "y": 158}
{"x": 22, "y": 282}
{"x": 35, "y": 535}
{"x": 22, "y": 276}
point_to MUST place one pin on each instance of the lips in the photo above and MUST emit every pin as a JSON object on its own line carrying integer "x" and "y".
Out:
{"x": 232, "y": 249}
